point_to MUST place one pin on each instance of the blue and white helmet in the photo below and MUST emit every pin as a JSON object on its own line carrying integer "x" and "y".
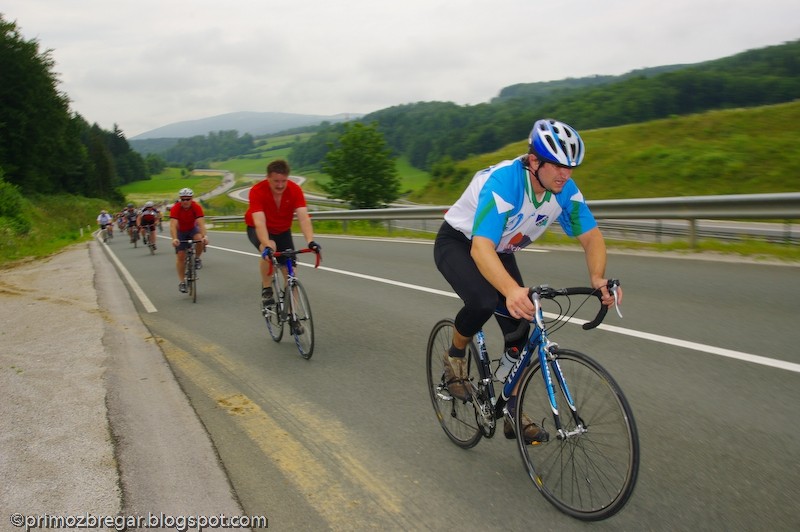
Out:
{"x": 556, "y": 142}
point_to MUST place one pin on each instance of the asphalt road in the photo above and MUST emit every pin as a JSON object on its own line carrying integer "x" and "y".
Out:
{"x": 706, "y": 354}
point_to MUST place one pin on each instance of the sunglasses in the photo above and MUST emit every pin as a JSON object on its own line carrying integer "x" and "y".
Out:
{"x": 186, "y": 199}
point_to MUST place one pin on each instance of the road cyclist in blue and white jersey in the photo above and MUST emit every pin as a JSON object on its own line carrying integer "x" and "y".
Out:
{"x": 503, "y": 209}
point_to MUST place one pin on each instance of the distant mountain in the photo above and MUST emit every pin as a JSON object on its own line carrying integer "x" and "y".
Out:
{"x": 243, "y": 122}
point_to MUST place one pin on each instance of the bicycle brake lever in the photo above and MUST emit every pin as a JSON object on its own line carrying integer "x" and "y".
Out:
{"x": 537, "y": 307}
{"x": 613, "y": 291}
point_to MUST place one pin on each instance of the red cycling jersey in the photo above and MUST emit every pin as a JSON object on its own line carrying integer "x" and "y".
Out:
{"x": 279, "y": 218}
{"x": 149, "y": 216}
{"x": 186, "y": 217}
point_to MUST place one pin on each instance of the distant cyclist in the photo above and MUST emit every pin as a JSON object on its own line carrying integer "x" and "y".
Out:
{"x": 130, "y": 214}
{"x": 106, "y": 221}
{"x": 146, "y": 221}
{"x": 504, "y": 209}
{"x": 187, "y": 222}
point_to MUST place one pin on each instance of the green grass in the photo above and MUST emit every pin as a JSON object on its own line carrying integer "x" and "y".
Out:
{"x": 411, "y": 179}
{"x": 57, "y": 221}
{"x": 165, "y": 186}
{"x": 735, "y": 151}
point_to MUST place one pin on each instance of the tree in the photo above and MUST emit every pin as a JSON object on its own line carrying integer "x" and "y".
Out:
{"x": 34, "y": 115}
{"x": 44, "y": 147}
{"x": 361, "y": 168}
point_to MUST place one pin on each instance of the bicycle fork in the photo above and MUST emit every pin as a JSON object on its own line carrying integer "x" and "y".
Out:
{"x": 548, "y": 361}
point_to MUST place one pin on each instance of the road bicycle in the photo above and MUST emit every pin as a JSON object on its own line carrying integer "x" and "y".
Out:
{"x": 190, "y": 268}
{"x": 588, "y": 466}
{"x": 147, "y": 239}
{"x": 133, "y": 231}
{"x": 104, "y": 233}
{"x": 295, "y": 309}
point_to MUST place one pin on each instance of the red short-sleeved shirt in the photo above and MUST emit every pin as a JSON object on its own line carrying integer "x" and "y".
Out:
{"x": 186, "y": 217}
{"x": 279, "y": 218}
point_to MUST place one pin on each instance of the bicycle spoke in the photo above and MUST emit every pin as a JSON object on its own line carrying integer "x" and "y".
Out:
{"x": 272, "y": 314}
{"x": 303, "y": 326}
{"x": 590, "y": 473}
{"x": 457, "y": 418}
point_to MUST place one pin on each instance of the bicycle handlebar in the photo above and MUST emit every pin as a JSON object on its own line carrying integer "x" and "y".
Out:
{"x": 547, "y": 292}
{"x": 292, "y": 253}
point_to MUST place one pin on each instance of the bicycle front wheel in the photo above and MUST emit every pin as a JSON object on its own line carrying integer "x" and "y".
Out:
{"x": 272, "y": 313}
{"x": 191, "y": 280}
{"x": 458, "y": 418}
{"x": 589, "y": 470}
{"x": 300, "y": 323}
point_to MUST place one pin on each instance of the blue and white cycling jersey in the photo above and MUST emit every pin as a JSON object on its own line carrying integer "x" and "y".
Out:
{"x": 500, "y": 204}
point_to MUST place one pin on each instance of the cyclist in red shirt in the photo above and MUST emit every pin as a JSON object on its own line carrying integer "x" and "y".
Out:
{"x": 187, "y": 222}
{"x": 146, "y": 221}
{"x": 274, "y": 202}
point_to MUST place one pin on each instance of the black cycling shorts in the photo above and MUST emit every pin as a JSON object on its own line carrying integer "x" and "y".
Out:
{"x": 282, "y": 240}
{"x": 451, "y": 252}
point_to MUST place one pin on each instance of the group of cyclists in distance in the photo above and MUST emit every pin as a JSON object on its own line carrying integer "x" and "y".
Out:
{"x": 186, "y": 223}
{"x": 135, "y": 222}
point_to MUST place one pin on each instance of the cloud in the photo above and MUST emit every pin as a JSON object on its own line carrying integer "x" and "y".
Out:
{"x": 145, "y": 63}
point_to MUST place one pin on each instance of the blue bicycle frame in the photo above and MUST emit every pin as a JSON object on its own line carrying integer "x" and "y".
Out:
{"x": 539, "y": 343}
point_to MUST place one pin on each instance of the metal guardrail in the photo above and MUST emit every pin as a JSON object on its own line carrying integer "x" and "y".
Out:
{"x": 783, "y": 206}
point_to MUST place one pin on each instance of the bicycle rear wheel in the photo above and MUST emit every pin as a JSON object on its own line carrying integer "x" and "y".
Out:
{"x": 301, "y": 323}
{"x": 272, "y": 313}
{"x": 458, "y": 418}
{"x": 590, "y": 473}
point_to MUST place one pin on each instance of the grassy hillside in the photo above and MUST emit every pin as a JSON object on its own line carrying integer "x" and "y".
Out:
{"x": 255, "y": 162}
{"x": 165, "y": 186}
{"x": 55, "y": 222}
{"x": 736, "y": 151}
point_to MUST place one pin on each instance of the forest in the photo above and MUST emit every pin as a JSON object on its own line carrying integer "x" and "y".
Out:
{"x": 45, "y": 148}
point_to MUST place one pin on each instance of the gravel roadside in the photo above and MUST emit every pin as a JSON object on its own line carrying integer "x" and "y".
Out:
{"x": 92, "y": 420}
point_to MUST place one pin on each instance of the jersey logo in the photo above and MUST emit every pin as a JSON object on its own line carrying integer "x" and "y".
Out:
{"x": 541, "y": 220}
{"x": 502, "y": 205}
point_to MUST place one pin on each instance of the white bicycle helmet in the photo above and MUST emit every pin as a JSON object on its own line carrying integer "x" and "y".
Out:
{"x": 148, "y": 204}
{"x": 186, "y": 193}
{"x": 556, "y": 142}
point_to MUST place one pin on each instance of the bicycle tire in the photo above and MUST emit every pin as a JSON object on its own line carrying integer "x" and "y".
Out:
{"x": 303, "y": 328}
{"x": 273, "y": 314}
{"x": 590, "y": 476}
{"x": 192, "y": 278}
{"x": 458, "y": 418}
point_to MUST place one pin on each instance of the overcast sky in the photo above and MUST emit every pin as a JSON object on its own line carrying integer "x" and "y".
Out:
{"x": 143, "y": 64}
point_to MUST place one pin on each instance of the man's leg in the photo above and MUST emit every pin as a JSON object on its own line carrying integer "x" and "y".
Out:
{"x": 180, "y": 257}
